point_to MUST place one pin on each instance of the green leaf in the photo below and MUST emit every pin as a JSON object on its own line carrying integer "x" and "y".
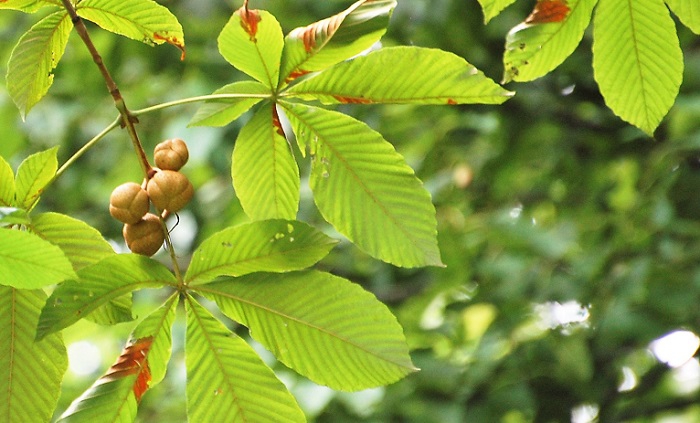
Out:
{"x": 13, "y": 216}
{"x": 158, "y": 326}
{"x": 534, "y": 49}
{"x": 637, "y": 60}
{"x": 31, "y": 371}
{"x": 252, "y": 42}
{"x": 332, "y": 40}
{"x": 115, "y": 311}
{"x": 493, "y": 8}
{"x": 7, "y": 184}
{"x": 383, "y": 208}
{"x": 106, "y": 401}
{"x": 141, "y": 20}
{"x": 389, "y": 75}
{"x": 265, "y": 174}
{"x": 323, "y": 326}
{"x": 82, "y": 244}
{"x": 28, "y": 6}
{"x": 226, "y": 380}
{"x": 36, "y": 55}
{"x": 688, "y": 11}
{"x": 267, "y": 245}
{"x": 99, "y": 284}
{"x": 29, "y": 262}
{"x": 222, "y": 111}
{"x": 33, "y": 174}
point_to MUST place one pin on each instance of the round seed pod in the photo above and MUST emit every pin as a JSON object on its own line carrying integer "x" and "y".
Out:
{"x": 171, "y": 154}
{"x": 170, "y": 190}
{"x": 144, "y": 237}
{"x": 128, "y": 202}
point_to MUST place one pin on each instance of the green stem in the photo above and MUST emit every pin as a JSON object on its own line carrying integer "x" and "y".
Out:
{"x": 195, "y": 100}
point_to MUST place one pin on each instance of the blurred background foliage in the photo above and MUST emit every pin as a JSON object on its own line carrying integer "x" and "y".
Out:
{"x": 572, "y": 240}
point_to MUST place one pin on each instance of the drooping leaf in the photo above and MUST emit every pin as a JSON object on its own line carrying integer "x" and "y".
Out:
{"x": 141, "y": 20}
{"x": 31, "y": 372}
{"x": 252, "y": 41}
{"x": 7, "y": 184}
{"x": 332, "y": 40}
{"x": 36, "y": 55}
{"x": 99, "y": 284}
{"x": 158, "y": 326}
{"x": 389, "y": 75}
{"x": 637, "y": 60}
{"x": 33, "y": 174}
{"x": 28, "y": 6}
{"x": 533, "y": 49}
{"x": 493, "y": 8}
{"x": 13, "y": 216}
{"x": 323, "y": 326}
{"x": 688, "y": 11}
{"x": 266, "y": 245}
{"x": 223, "y": 111}
{"x": 29, "y": 262}
{"x": 384, "y": 208}
{"x": 265, "y": 174}
{"x": 81, "y": 243}
{"x": 226, "y": 380}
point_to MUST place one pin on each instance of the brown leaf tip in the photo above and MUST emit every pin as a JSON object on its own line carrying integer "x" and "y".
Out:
{"x": 548, "y": 11}
{"x": 172, "y": 41}
{"x": 276, "y": 122}
{"x": 352, "y": 100}
{"x": 133, "y": 360}
{"x": 249, "y": 22}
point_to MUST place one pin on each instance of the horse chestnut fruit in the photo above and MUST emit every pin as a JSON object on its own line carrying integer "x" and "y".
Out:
{"x": 128, "y": 203}
{"x": 169, "y": 190}
{"x": 144, "y": 237}
{"x": 171, "y": 154}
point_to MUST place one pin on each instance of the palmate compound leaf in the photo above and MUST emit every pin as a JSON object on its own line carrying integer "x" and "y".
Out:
{"x": 28, "y": 6}
{"x": 99, "y": 284}
{"x": 402, "y": 75}
{"x": 7, "y": 184}
{"x": 365, "y": 189}
{"x": 264, "y": 171}
{"x": 323, "y": 326}
{"x": 332, "y": 40}
{"x": 252, "y": 42}
{"x": 493, "y": 8}
{"x": 36, "y": 55}
{"x": 29, "y": 262}
{"x": 141, "y": 365}
{"x": 637, "y": 60}
{"x": 82, "y": 244}
{"x": 141, "y": 20}
{"x": 226, "y": 380}
{"x": 31, "y": 372}
{"x": 538, "y": 45}
{"x": 267, "y": 245}
{"x": 222, "y": 111}
{"x": 33, "y": 174}
{"x": 688, "y": 11}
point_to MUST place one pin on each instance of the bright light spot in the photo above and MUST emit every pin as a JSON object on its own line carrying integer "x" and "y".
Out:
{"x": 675, "y": 348}
{"x": 585, "y": 413}
{"x": 629, "y": 380}
{"x": 687, "y": 377}
{"x": 84, "y": 358}
{"x": 516, "y": 211}
{"x": 553, "y": 314}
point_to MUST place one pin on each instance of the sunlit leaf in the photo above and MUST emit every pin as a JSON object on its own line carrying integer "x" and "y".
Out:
{"x": 33, "y": 174}
{"x": 384, "y": 208}
{"x": 31, "y": 372}
{"x": 323, "y": 326}
{"x": 389, "y": 75}
{"x": 141, "y": 20}
{"x": 36, "y": 55}
{"x": 267, "y": 245}
{"x": 252, "y": 41}
{"x": 158, "y": 326}
{"x": 81, "y": 243}
{"x": 28, "y": 6}
{"x": 265, "y": 174}
{"x": 226, "y": 380}
{"x": 98, "y": 284}
{"x": 7, "y": 184}
{"x": 639, "y": 72}
{"x": 223, "y": 111}
{"x": 534, "y": 49}
{"x": 493, "y": 8}
{"x": 29, "y": 262}
{"x": 13, "y": 216}
{"x": 332, "y": 40}
{"x": 688, "y": 11}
